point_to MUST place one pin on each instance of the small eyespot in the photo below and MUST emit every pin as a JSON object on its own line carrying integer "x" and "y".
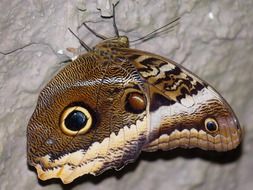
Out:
{"x": 75, "y": 120}
{"x": 211, "y": 125}
{"x": 135, "y": 102}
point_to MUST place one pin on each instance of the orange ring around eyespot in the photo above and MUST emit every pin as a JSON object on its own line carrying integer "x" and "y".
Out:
{"x": 67, "y": 112}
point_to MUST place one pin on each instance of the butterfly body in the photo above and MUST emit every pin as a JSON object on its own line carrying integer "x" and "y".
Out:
{"x": 113, "y": 102}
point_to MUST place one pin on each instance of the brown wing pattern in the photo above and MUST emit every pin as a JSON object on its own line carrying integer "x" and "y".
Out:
{"x": 115, "y": 137}
{"x": 110, "y": 104}
{"x": 183, "y": 108}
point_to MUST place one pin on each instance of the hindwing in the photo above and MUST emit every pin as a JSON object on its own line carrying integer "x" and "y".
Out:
{"x": 181, "y": 104}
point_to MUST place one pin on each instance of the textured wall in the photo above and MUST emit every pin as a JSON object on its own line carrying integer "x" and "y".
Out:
{"x": 214, "y": 39}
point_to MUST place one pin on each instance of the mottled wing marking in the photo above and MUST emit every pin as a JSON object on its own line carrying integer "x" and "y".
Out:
{"x": 167, "y": 77}
{"x": 179, "y": 104}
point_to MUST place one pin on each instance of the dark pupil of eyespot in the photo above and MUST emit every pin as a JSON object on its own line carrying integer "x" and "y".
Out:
{"x": 75, "y": 121}
{"x": 211, "y": 126}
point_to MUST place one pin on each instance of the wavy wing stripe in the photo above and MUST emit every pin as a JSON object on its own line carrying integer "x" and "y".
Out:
{"x": 78, "y": 163}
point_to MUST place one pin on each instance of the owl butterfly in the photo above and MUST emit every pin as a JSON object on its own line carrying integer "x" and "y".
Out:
{"x": 108, "y": 105}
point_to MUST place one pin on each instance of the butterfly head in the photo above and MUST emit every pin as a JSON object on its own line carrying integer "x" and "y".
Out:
{"x": 115, "y": 42}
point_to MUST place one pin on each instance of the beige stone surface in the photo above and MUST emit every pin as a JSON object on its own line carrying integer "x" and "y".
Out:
{"x": 214, "y": 39}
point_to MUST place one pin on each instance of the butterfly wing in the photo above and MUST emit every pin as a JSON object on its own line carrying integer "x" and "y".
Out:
{"x": 100, "y": 95}
{"x": 184, "y": 110}
{"x": 107, "y": 106}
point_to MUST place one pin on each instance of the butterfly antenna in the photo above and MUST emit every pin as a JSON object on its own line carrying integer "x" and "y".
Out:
{"x": 81, "y": 42}
{"x": 93, "y": 32}
{"x": 114, "y": 21}
{"x": 158, "y": 30}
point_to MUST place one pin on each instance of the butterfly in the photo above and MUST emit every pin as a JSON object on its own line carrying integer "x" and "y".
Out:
{"x": 113, "y": 102}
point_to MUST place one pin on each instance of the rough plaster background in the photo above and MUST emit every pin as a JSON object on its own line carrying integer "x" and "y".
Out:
{"x": 214, "y": 39}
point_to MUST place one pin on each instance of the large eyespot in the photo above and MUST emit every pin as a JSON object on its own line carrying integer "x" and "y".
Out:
{"x": 135, "y": 102}
{"x": 75, "y": 120}
{"x": 211, "y": 125}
